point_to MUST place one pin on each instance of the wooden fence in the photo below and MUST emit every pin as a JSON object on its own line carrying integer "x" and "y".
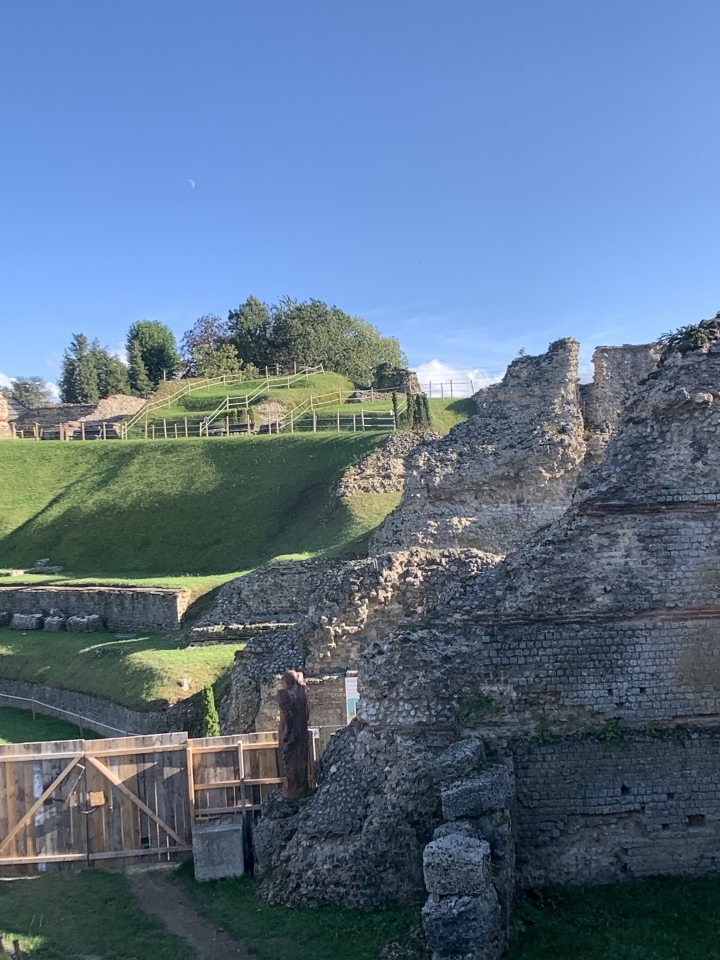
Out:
{"x": 126, "y": 800}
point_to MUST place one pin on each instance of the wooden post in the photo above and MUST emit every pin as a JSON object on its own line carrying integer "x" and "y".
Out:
{"x": 13, "y": 431}
{"x": 32, "y": 707}
{"x": 354, "y": 423}
{"x": 104, "y": 430}
{"x": 451, "y": 393}
{"x": 338, "y": 420}
{"x": 314, "y": 422}
{"x": 372, "y": 393}
{"x": 442, "y": 392}
{"x": 292, "y": 423}
{"x": 82, "y": 429}
{"x": 36, "y": 430}
{"x": 430, "y": 389}
{"x": 227, "y": 426}
{"x": 288, "y": 385}
{"x": 164, "y": 428}
{"x": 153, "y": 431}
{"x": 472, "y": 386}
{"x": 362, "y": 419}
{"x": 277, "y": 369}
{"x": 176, "y": 433}
{"x": 186, "y": 427}
{"x": 267, "y": 379}
{"x": 295, "y": 367}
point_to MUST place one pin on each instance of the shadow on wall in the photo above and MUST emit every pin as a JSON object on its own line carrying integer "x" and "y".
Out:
{"x": 187, "y": 507}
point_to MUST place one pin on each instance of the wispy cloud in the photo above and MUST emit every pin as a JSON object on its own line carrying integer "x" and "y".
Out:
{"x": 5, "y": 381}
{"x": 462, "y": 380}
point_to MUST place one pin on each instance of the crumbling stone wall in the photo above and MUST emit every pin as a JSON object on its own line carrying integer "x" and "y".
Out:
{"x": 317, "y": 616}
{"x": 384, "y": 470}
{"x": 608, "y": 616}
{"x": 502, "y": 474}
{"x": 593, "y": 810}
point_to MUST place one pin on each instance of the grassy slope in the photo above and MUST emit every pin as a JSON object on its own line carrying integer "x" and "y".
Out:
{"x": 141, "y": 673}
{"x": 659, "y": 919}
{"x": 67, "y": 916}
{"x": 18, "y": 726}
{"x": 275, "y": 933}
{"x": 176, "y": 508}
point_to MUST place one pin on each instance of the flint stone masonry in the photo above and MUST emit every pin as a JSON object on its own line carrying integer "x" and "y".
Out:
{"x": 457, "y": 865}
{"x": 84, "y": 624}
{"x": 498, "y": 477}
{"x": 459, "y": 759}
{"x": 590, "y": 811}
{"x": 120, "y": 608}
{"x": 385, "y": 469}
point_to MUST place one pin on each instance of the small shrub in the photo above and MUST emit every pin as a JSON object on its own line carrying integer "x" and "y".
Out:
{"x": 210, "y": 726}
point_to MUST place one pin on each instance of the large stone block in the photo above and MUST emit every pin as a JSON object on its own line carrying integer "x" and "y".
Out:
{"x": 493, "y": 789}
{"x": 218, "y": 850}
{"x": 462, "y": 759}
{"x": 468, "y": 927}
{"x": 26, "y": 621}
{"x": 457, "y": 865}
{"x": 84, "y": 624}
{"x": 53, "y": 624}
{"x": 455, "y": 828}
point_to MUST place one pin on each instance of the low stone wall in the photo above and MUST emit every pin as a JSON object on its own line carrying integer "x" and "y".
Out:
{"x": 121, "y": 608}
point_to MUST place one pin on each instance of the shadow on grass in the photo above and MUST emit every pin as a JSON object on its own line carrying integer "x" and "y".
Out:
{"x": 186, "y": 507}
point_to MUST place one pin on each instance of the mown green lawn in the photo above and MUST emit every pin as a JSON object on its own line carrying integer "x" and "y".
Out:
{"x": 304, "y": 933}
{"x": 659, "y": 919}
{"x": 19, "y": 726}
{"x": 71, "y": 916}
{"x": 177, "y": 508}
{"x": 141, "y": 673}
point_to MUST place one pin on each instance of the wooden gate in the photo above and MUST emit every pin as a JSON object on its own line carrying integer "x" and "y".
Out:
{"x": 108, "y": 802}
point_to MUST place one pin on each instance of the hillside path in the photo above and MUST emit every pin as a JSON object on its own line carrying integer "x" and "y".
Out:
{"x": 170, "y": 903}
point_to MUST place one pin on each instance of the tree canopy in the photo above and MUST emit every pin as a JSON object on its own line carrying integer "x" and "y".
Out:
{"x": 309, "y": 333}
{"x": 90, "y": 372}
{"x": 29, "y": 391}
{"x": 157, "y": 347}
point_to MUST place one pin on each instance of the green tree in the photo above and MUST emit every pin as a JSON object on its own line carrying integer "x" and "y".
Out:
{"x": 210, "y": 726}
{"x": 112, "y": 374}
{"x": 29, "y": 391}
{"x": 222, "y": 361}
{"x": 250, "y": 328}
{"x": 207, "y": 350}
{"x": 310, "y": 333}
{"x": 137, "y": 374}
{"x": 79, "y": 376}
{"x": 157, "y": 349}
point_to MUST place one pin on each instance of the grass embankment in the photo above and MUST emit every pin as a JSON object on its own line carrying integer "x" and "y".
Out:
{"x": 142, "y": 673}
{"x": 66, "y": 916}
{"x": 660, "y": 919}
{"x": 18, "y": 726}
{"x": 180, "y": 508}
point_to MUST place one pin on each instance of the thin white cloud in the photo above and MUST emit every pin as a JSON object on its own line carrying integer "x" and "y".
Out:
{"x": 5, "y": 381}
{"x": 461, "y": 381}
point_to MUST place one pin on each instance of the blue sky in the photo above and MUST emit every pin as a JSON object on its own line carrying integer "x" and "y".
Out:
{"x": 473, "y": 177}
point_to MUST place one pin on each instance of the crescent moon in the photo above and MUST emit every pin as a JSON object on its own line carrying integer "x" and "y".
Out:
{"x": 192, "y": 184}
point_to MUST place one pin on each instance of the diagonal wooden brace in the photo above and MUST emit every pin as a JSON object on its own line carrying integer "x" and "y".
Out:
{"x": 116, "y": 782}
{"x": 38, "y": 803}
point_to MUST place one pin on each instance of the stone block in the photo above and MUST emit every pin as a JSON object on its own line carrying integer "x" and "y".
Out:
{"x": 53, "y": 624}
{"x": 457, "y": 865}
{"x": 456, "y": 827}
{"x": 4, "y": 618}
{"x": 26, "y": 621}
{"x": 464, "y": 926}
{"x": 84, "y": 624}
{"x": 218, "y": 850}
{"x": 462, "y": 759}
{"x": 493, "y": 789}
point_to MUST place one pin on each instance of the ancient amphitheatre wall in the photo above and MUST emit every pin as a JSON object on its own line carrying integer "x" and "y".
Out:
{"x": 586, "y": 661}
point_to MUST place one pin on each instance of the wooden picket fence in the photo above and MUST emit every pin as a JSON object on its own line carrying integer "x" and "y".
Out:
{"x": 126, "y": 800}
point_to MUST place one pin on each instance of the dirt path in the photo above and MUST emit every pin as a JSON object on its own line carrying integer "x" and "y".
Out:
{"x": 169, "y": 902}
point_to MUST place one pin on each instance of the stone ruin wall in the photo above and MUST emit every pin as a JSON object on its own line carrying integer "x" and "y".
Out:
{"x": 120, "y": 608}
{"x": 586, "y": 662}
{"x": 503, "y": 473}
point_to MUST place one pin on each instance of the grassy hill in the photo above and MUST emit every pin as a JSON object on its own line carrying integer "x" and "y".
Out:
{"x": 184, "y": 507}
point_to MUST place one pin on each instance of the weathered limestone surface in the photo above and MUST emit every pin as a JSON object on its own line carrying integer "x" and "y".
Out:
{"x": 609, "y": 614}
{"x": 384, "y": 470}
{"x": 498, "y": 477}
